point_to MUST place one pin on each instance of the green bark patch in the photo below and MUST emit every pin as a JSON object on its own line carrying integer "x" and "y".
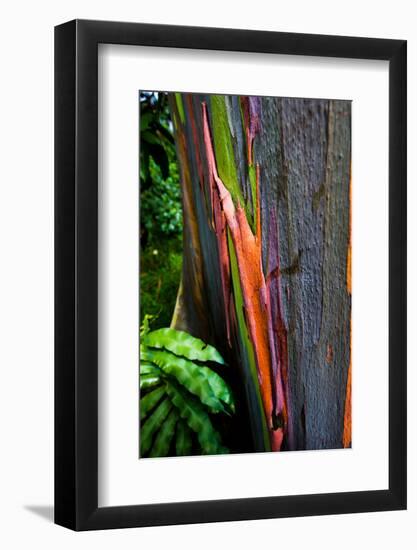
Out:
{"x": 252, "y": 179}
{"x": 225, "y": 158}
{"x": 180, "y": 107}
{"x": 223, "y": 147}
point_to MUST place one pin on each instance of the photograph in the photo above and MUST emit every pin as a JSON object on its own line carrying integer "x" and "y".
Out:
{"x": 245, "y": 274}
{"x": 208, "y": 233}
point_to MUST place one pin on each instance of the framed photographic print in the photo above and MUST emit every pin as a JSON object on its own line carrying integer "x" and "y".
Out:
{"x": 230, "y": 234}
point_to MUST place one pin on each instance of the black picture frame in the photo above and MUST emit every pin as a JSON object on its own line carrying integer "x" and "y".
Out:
{"x": 76, "y": 271}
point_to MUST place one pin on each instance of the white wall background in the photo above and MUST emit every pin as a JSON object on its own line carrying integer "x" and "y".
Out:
{"x": 26, "y": 272}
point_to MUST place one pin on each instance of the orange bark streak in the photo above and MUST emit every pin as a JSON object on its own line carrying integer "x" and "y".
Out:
{"x": 219, "y": 224}
{"x": 248, "y": 249}
{"x": 349, "y": 251}
{"x": 347, "y": 421}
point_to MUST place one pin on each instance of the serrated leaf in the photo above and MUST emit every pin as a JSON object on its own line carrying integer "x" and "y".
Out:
{"x": 152, "y": 424}
{"x": 183, "y": 441}
{"x": 164, "y": 437}
{"x": 182, "y": 343}
{"x": 150, "y": 400}
{"x": 187, "y": 373}
{"x": 192, "y": 412}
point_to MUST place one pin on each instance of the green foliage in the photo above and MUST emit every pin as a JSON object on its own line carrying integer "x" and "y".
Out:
{"x": 183, "y": 442}
{"x": 219, "y": 387}
{"x": 149, "y": 401}
{"x": 182, "y": 396}
{"x": 156, "y": 139}
{"x": 160, "y": 211}
{"x": 160, "y": 204}
{"x": 152, "y": 425}
{"x": 145, "y": 326}
{"x": 160, "y": 274}
{"x": 182, "y": 343}
{"x": 189, "y": 374}
{"x": 198, "y": 420}
{"x": 165, "y": 435}
{"x": 148, "y": 381}
{"x": 160, "y": 197}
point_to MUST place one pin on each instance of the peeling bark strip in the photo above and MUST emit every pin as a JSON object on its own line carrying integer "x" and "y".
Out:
{"x": 248, "y": 249}
{"x": 266, "y": 273}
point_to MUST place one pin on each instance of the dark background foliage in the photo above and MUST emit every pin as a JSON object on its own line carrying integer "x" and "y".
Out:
{"x": 160, "y": 211}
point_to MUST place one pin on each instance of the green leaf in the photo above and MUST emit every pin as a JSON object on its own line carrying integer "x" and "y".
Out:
{"x": 160, "y": 156}
{"x": 153, "y": 424}
{"x": 150, "y": 137}
{"x": 182, "y": 343}
{"x": 197, "y": 419}
{"x": 219, "y": 387}
{"x": 183, "y": 442}
{"x": 190, "y": 375}
{"x": 149, "y": 381}
{"x": 194, "y": 390}
{"x": 145, "y": 327}
{"x": 149, "y": 401}
{"x": 145, "y": 120}
{"x": 144, "y": 165}
{"x": 148, "y": 368}
{"x": 164, "y": 436}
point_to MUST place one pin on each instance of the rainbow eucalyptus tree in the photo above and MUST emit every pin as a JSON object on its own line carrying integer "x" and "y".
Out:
{"x": 266, "y": 268}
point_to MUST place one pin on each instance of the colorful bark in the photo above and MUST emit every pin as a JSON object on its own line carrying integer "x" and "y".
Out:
{"x": 347, "y": 421}
{"x": 248, "y": 249}
{"x": 267, "y": 262}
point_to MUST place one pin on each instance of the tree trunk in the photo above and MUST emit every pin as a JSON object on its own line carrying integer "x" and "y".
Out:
{"x": 266, "y": 268}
